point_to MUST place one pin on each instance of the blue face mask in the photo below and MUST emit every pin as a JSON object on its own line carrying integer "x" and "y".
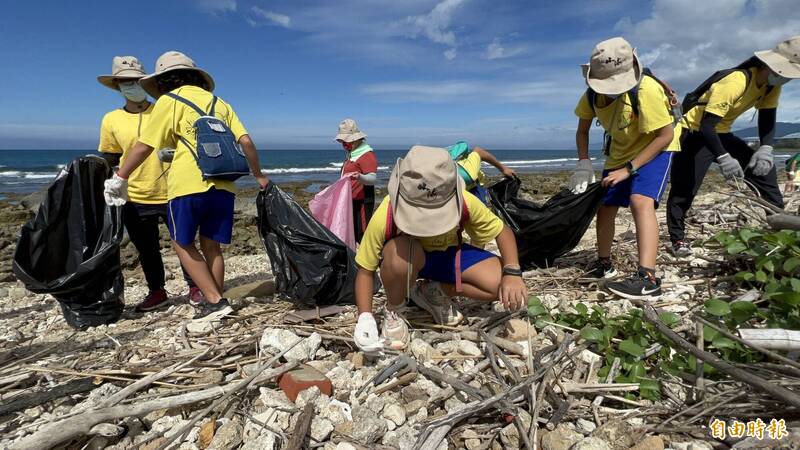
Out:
{"x": 776, "y": 80}
{"x": 132, "y": 91}
{"x": 612, "y": 97}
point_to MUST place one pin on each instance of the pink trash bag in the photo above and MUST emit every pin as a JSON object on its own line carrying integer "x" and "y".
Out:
{"x": 333, "y": 207}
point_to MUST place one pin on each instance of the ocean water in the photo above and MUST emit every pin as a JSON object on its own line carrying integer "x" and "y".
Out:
{"x": 23, "y": 171}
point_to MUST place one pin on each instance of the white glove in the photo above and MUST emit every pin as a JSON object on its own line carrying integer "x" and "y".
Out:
{"x": 116, "y": 191}
{"x": 366, "y": 334}
{"x": 761, "y": 162}
{"x": 729, "y": 167}
{"x": 583, "y": 176}
{"x": 165, "y": 155}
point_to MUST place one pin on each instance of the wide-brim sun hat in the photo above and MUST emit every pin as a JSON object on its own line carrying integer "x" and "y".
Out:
{"x": 784, "y": 59}
{"x": 349, "y": 131}
{"x": 426, "y": 193}
{"x": 613, "y": 68}
{"x": 123, "y": 68}
{"x": 169, "y": 61}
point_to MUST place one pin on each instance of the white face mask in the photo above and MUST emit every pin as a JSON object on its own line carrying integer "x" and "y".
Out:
{"x": 776, "y": 80}
{"x": 133, "y": 92}
{"x": 612, "y": 97}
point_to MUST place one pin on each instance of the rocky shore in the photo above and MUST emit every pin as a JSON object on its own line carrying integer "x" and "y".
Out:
{"x": 40, "y": 355}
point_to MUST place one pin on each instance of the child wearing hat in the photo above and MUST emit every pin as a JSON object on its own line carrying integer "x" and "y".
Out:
{"x": 709, "y": 137}
{"x": 416, "y": 234}
{"x": 639, "y": 152}
{"x": 195, "y": 204}
{"x": 363, "y": 165}
{"x": 147, "y": 185}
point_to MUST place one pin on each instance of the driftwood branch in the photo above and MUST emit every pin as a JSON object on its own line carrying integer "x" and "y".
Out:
{"x": 56, "y": 432}
{"x": 756, "y": 347}
{"x": 784, "y": 222}
{"x": 300, "y": 433}
{"x": 759, "y": 383}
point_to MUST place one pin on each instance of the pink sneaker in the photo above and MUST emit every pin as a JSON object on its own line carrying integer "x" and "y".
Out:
{"x": 195, "y": 296}
{"x": 154, "y": 300}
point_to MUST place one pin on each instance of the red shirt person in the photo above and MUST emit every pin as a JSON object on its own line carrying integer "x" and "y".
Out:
{"x": 363, "y": 165}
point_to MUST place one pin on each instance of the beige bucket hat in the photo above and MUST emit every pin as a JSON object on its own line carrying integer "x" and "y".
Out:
{"x": 349, "y": 131}
{"x": 122, "y": 68}
{"x": 613, "y": 68}
{"x": 426, "y": 193}
{"x": 784, "y": 59}
{"x": 169, "y": 61}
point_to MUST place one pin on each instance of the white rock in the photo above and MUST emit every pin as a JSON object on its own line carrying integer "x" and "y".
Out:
{"x": 468, "y": 348}
{"x": 395, "y": 413}
{"x": 391, "y": 426}
{"x": 307, "y": 395}
{"x": 585, "y": 426}
{"x": 345, "y": 446}
{"x": 275, "y": 340}
{"x": 422, "y": 350}
{"x": 691, "y": 445}
{"x": 453, "y": 404}
{"x": 321, "y": 428}
{"x": 337, "y": 412}
{"x": 592, "y": 443}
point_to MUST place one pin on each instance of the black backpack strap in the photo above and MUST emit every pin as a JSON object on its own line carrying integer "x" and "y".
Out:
{"x": 213, "y": 104}
{"x": 190, "y": 104}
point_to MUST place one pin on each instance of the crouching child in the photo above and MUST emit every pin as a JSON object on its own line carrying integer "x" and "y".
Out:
{"x": 414, "y": 238}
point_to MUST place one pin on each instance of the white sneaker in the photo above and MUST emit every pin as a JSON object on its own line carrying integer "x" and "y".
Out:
{"x": 428, "y": 295}
{"x": 394, "y": 330}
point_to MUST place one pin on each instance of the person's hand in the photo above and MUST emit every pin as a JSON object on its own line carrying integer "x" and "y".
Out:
{"x": 730, "y": 167}
{"x": 262, "y": 181}
{"x": 115, "y": 191}
{"x": 165, "y": 155}
{"x": 513, "y": 292}
{"x": 509, "y": 172}
{"x": 762, "y": 161}
{"x": 366, "y": 334}
{"x": 582, "y": 177}
{"x": 790, "y": 176}
{"x": 616, "y": 176}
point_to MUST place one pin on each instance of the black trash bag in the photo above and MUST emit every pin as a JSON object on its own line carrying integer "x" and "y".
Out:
{"x": 70, "y": 249}
{"x": 545, "y": 232}
{"x": 308, "y": 261}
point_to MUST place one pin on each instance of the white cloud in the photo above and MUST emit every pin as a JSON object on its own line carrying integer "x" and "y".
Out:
{"x": 549, "y": 92}
{"x": 495, "y": 50}
{"x": 265, "y": 17}
{"x": 685, "y": 41}
{"x": 217, "y": 6}
{"x": 435, "y": 25}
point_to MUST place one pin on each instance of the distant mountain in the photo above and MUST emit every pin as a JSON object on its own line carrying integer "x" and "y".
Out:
{"x": 783, "y": 128}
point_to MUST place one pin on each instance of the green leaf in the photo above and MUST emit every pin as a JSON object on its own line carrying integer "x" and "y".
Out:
{"x": 746, "y": 234}
{"x": 791, "y": 298}
{"x": 761, "y": 277}
{"x": 795, "y": 284}
{"x": 582, "y": 309}
{"x": 631, "y": 348}
{"x": 717, "y": 307}
{"x": 669, "y": 318}
{"x": 709, "y": 333}
{"x": 722, "y": 342}
{"x": 791, "y": 264}
{"x": 745, "y": 276}
{"x": 536, "y": 310}
{"x": 592, "y": 334}
{"x": 742, "y": 311}
{"x": 735, "y": 248}
{"x": 534, "y": 300}
{"x": 769, "y": 265}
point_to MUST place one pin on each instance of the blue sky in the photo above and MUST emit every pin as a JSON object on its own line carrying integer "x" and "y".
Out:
{"x": 503, "y": 74}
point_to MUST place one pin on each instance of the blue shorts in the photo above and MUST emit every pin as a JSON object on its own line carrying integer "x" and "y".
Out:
{"x": 211, "y": 212}
{"x": 651, "y": 181}
{"x": 441, "y": 266}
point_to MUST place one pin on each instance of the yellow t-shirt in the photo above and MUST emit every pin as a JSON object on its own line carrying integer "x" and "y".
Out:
{"x": 171, "y": 118}
{"x": 118, "y": 132}
{"x": 482, "y": 228}
{"x": 729, "y": 98}
{"x": 631, "y": 134}
{"x": 472, "y": 165}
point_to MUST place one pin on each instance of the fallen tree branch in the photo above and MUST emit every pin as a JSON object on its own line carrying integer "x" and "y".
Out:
{"x": 761, "y": 384}
{"x": 56, "y": 432}
{"x": 784, "y": 222}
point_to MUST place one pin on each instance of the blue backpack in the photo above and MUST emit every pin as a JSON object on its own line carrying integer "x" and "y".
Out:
{"x": 217, "y": 153}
